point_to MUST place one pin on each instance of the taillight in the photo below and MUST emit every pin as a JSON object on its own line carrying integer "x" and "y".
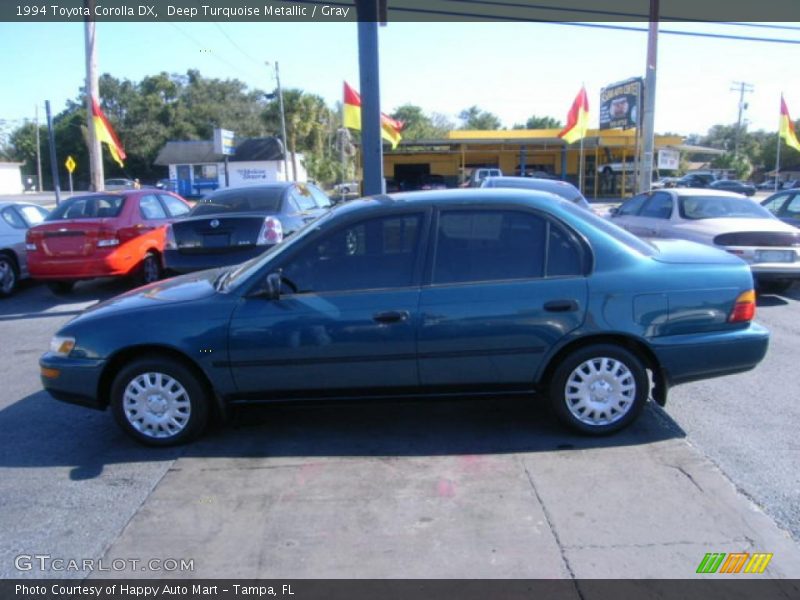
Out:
{"x": 108, "y": 239}
{"x": 29, "y": 243}
{"x": 744, "y": 309}
{"x": 271, "y": 232}
{"x": 169, "y": 241}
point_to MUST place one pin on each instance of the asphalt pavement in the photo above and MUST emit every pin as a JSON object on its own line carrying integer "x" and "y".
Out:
{"x": 419, "y": 489}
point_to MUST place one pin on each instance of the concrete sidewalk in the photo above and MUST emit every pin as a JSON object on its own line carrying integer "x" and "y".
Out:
{"x": 457, "y": 490}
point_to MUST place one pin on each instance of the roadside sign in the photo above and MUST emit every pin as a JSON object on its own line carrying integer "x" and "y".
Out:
{"x": 70, "y": 164}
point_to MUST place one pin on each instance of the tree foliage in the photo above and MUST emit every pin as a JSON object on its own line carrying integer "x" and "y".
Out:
{"x": 476, "y": 118}
{"x": 536, "y": 122}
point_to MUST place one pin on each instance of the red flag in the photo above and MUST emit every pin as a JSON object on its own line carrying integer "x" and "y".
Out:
{"x": 105, "y": 133}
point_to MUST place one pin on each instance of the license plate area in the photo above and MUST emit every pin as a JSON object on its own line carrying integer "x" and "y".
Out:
{"x": 217, "y": 240}
{"x": 775, "y": 256}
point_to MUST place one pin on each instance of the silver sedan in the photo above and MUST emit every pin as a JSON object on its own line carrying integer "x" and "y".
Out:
{"x": 15, "y": 219}
{"x": 721, "y": 219}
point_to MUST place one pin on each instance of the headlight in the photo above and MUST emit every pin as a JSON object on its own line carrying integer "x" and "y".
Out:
{"x": 62, "y": 345}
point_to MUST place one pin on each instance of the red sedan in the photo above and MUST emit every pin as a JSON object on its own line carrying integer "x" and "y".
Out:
{"x": 105, "y": 234}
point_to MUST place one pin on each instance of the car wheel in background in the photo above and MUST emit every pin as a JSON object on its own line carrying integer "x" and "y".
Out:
{"x": 9, "y": 275}
{"x": 159, "y": 402}
{"x": 599, "y": 389}
{"x": 60, "y": 288}
{"x": 150, "y": 271}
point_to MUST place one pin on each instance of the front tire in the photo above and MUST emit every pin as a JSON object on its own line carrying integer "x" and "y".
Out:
{"x": 599, "y": 389}
{"x": 159, "y": 402}
{"x": 9, "y": 275}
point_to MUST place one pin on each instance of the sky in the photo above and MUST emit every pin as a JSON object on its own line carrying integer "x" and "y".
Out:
{"x": 514, "y": 70}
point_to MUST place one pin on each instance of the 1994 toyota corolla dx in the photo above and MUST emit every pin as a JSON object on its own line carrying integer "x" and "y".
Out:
{"x": 437, "y": 293}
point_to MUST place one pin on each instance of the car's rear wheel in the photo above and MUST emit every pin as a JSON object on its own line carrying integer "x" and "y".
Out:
{"x": 150, "y": 271}
{"x": 60, "y": 287}
{"x": 599, "y": 389}
{"x": 159, "y": 402}
{"x": 9, "y": 275}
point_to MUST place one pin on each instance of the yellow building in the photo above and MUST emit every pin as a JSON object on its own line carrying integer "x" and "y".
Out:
{"x": 453, "y": 157}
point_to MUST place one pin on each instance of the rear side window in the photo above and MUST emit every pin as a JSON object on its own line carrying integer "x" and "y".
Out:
{"x": 775, "y": 204}
{"x": 489, "y": 245}
{"x": 33, "y": 215}
{"x": 175, "y": 207}
{"x": 301, "y": 196}
{"x": 88, "y": 207}
{"x": 151, "y": 209}
{"x": 320, "y": 198}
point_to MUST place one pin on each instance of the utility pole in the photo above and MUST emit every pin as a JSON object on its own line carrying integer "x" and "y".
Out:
{"x": 283, "y": 127}
{"x": 368, "y": 66}
{"x": 648, "y": 117}
{"x": 53, "y": 163}
{"x": 38, "y": 150}
{"x": 742, "y": 88}
{"x": 96, "y": 175}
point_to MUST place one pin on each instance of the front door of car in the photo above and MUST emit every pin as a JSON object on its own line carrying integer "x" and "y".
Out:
{"x": 505, "y": 286}
{"x": 655, "y": 216}
{"x": 346, "y": 318}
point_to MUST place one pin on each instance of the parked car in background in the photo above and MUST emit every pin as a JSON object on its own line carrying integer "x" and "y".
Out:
{"x": 233, "y": 225}
{"x": 15, "y": 220}
{"x": 769, "y": 185}
{"x": 721, "y": 219}
{"x": 106, "y": 234}
{"x": 479, "y": 174}
{"x": 785, "y": 205}
{"x": 433, "y": 182}
{"x": 732, "y": 185}
{"x": 346, "y": 188}
{"x": 115, "y": 185}
{"x": 562, "y": 189}
{"x": 452, "y": 293}
{"x": 695, "y": 180}
{"x": 665, "y": 182}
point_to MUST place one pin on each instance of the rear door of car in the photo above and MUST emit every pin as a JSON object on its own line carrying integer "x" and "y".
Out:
{"x": 503, "y": 286}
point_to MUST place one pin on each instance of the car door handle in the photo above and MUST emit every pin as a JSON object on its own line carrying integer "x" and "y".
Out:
{"x": 391, "y": 316}
{"x": 561, "y": 306}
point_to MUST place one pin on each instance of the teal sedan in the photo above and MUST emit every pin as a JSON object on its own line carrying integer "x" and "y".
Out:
{"x": 440, "y": 294}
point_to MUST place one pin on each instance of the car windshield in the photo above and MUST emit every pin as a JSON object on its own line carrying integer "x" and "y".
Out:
{"x": 243, "y": 200}
{"x": 87, "y": 207}
{"x": 720, "y": 207}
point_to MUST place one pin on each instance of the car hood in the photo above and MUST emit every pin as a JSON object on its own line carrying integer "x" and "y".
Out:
{"x": 684, "y": 252}
{"x": 710, "y": 228}
{"x": 185, "y": 288}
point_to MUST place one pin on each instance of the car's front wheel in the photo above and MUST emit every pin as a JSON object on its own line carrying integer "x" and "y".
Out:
{"x": 599, "y": 389}
{"x": 159, "y": 402}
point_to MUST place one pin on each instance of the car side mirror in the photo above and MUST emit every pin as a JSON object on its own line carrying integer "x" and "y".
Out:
{"x": 272, "y": 286}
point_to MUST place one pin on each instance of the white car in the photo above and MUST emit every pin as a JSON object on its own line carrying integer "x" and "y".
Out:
{"x": 721, "y": 219}
{"x": 15, "y": 219}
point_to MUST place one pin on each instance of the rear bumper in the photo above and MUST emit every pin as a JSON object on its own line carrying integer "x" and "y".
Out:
{"x": 110, "y": 264}
{"x": 771, "y": 271}
{"x": 178, "y": 262}
{"x": 704, "y": 355}
{"x": 77, "y": 381}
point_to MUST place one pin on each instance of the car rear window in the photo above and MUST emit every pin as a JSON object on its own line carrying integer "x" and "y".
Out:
{"x": 243, "y": 200}
{"x": 88, "y": 207}
{"x": 720, "y": 207}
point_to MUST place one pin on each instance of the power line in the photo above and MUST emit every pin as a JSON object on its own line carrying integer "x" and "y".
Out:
{"x": 236, "y": 45}
{"x": 205, "y": 47}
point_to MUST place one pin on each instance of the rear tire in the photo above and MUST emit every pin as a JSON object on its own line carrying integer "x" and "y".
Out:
{"x": 59, "y": 288}
{"x": 599, "y": 389}
{"x": 9, "y": 275}
{"x": 159, "y": 402}
{"x": 150, "y": 270}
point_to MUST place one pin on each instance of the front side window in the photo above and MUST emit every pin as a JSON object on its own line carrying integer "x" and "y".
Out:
{"x": 659, "y": 206}
{"x": 377, "y": 253}
{"x": 489, "y": 245}
{"x": 632, "y": 206}
{"x": 775, "y": 204}
{"x": 151, "y": 209}
{"x": 792, "y": 209}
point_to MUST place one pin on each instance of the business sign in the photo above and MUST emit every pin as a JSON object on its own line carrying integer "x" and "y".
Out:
{"x": 224, "y": 142}
{"x": 668, "y": 159}
{"x": 619, "y": 104}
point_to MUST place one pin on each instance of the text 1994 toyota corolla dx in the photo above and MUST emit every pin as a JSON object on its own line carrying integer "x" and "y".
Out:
{"x": 439, "y": 293}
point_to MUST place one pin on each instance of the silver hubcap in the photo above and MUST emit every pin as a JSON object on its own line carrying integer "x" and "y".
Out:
{"x": 7, "y": 276}
{"x": 156, "y": 405}
{"x": 150, "y": 270}
{"x": 600, "y": 391}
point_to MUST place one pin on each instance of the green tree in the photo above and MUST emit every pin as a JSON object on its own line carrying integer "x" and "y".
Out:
{"x": 475, "y": 118}
{"x": 535, "y": 122}
{"x": 418, "y": 125}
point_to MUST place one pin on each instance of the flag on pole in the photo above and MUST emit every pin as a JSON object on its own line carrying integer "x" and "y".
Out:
{"x": 577, "y": 119}
{"x": 105, "y": 133}
{"x": 786, "y": 128}
{"x": 390, "y": 128}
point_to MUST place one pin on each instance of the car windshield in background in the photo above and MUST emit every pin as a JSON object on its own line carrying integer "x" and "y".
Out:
{"x": 618, "y": 233}
{"x": 720, "y": 207}
{"x": 260, "y": 200}
{"x": 87, "y": 207}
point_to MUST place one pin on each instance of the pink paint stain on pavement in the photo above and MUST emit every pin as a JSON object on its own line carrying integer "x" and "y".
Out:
{"x": 445, "y": 488}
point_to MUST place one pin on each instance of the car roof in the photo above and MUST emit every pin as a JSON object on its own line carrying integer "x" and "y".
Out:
{"x": 701, "y": 192}
{"x": 538, "y": 183}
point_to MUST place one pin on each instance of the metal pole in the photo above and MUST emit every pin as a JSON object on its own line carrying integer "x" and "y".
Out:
{"x": 96, "y": 175}
{"x": 580, "y": 169}
{"x": 283, "y": 127}
{"x": 38, "y": 152}
{"x": 371, "y": 146}
{"x": 227, "y": 177}
{"x": 53, "y": 165}
{"x": 778, "y": 156}
{"x": 648, "y": 120}
{"x": 741, "y": 87}
{"x": 70, "y": 184}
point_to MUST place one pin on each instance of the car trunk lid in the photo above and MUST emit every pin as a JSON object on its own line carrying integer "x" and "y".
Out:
{"x": 71, "y": 238}
{"x": 215, "y": 234}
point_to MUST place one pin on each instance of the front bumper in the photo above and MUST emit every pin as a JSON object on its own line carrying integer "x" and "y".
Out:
{"x": 77, "y": 380}
{"x": 704, "y": 355}
{"x": 178, "y": 262}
